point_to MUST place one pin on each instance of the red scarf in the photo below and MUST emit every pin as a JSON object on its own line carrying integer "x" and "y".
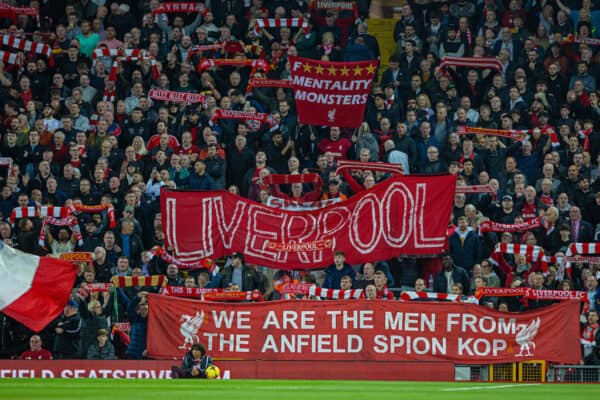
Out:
{"x": 176, "y": 97}
{"x": 233, "y": 62}
{"x": 491, "y": 226}
{"x": 203, "y": 264}
{"x": 98, "y": 209}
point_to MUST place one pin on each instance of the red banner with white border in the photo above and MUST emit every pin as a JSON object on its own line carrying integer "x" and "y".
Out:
{"x": 401, "y": 215}
{"x": 331, "y": 93}
{"x": 367, "y": 330}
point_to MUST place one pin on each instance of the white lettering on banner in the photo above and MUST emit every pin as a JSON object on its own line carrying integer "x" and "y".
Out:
{"x": 324, "y": 343}
{"x": 326, "y": 84}
{"x": 242, "y": 319}
{"x": 356, "y": 319}
{"x": 330, "y": 99}
{"x": 409, "y": 345}
{"x": 480, "y": 347}
{"x": 290, "y": 320}
{"x": 470, "y": 323}
{"x": 369, "y": 211}
{"x": 227, "y": 342}
{"x": 410, "y": 322}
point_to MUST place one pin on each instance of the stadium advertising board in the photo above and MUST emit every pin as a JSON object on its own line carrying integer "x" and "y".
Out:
{"x": 368, "y": 330}
{"x": 402, "y": 215}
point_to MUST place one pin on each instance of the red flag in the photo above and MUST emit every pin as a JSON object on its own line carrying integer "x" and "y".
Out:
{"x": 331, "y": 93}
{"x": 33, "y": 290}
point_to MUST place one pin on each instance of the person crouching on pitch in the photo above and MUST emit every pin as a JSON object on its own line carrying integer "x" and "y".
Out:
{"x": 194, "y": 363}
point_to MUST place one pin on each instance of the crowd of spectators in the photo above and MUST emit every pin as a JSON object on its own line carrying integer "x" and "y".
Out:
{"x": 77, "y": 133}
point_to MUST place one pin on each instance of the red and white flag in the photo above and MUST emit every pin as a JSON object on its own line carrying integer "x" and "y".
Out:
{"x": 331, "y": 93}
{"x": 33, "y": 290}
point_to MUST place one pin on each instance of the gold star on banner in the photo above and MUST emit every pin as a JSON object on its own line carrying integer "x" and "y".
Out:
{"x": 371, "y": 69}
{"x": 357, "y": 71}
{"x": 345, "y": 71}
{"x": 319, "y": 69}
{"x": 332, "y": 70}
{"x": 306, "y": 67}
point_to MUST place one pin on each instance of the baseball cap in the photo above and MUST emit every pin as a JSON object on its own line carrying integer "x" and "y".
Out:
{"x": 72, "y": 303}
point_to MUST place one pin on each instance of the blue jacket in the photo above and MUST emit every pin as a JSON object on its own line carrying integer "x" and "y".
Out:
{"x": 138, "y": 332}
{"x": 204, "y": 182}
{"x": 333, "y": 276}
{"x": 465, "y": 253}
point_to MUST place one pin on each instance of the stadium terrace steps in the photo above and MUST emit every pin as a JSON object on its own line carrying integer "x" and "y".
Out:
{"x": 383, "y": 30}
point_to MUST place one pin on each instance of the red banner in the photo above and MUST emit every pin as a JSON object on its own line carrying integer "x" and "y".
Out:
{"x": 331, "y": 93}
{"x": 402, "y": 215}
{"x": 363, "y": 330}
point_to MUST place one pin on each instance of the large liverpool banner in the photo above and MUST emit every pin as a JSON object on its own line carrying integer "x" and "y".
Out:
{"x": 402, "y": 215}
{"x": 373, "y": 330}
{"x": 331, "y": 93}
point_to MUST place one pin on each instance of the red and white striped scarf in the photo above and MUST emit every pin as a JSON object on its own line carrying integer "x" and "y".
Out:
{"x": 137, "y": 281}
{"x": 202, "y": 264}
{"x": 109, "y": 96}
{"x": 106, "y": 52}
{"x": 580, "y": 248}
{"x": 240, "y": 115}
{"x": 68, "y": 221}
{"x": 176, "y": 97}
{"x": 336, "y": 293}
{"x": 23, "y": 212}
{"x": 10, "y": 58}
{"x": 26, "y": 46}
{"x": 265, "y": 23}
{"x": 39, "y": 212}
{"x": 369, "y": 166}
{"x": 409, "y": 295}
{"x": 261, "y": 82}
{"x": 233, "y": 62}
{"x": 180, "y": 7}
{"x": 474, "y": 189}
{"x": 491, "y": 226}
{"x": 471, "y": 62}
{"x": 532, "y": 253}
